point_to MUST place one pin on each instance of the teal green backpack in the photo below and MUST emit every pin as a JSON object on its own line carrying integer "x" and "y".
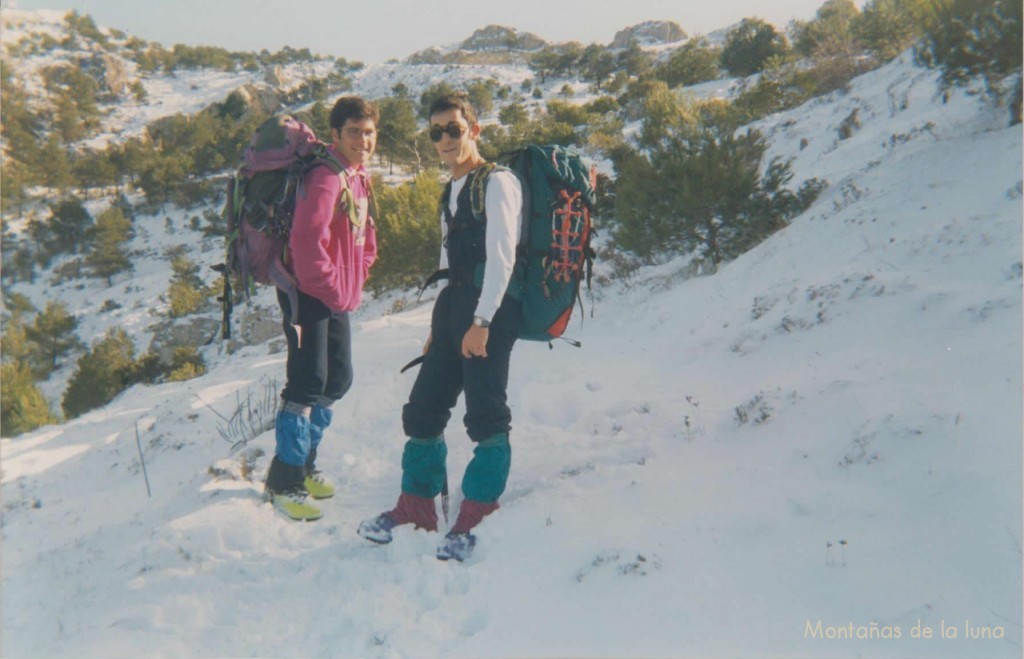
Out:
{"x": 555, "y": 256}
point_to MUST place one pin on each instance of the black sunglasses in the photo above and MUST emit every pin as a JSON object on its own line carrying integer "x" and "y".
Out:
{"x": 453, "y": 129}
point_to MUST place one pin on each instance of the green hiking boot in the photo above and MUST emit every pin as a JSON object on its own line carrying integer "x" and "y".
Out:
{"x": 293, "y": 505}
{"x": 285, "y": 489}
{"x": 318, "y": 486}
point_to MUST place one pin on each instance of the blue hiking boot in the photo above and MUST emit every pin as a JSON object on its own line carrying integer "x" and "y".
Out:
{"x": 377, "y": 529}
{"x": 456, "y": 545}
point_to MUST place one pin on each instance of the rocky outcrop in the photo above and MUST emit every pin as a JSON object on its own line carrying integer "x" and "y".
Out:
{"x": 258, "y": 98}
{"x": 651, "y": 33}
{"x": 275, "y": 77}
{"x": 182, "y": 333}
{"x": 498, "y": 38}
{"x": 242, "y": 103}
{"x": 159, "y": 129}
{"x": 250, "y": 325}
{"x": 428, "y": 56}
{"x": 253, "y": 325}
{"x": 494, "y": 45}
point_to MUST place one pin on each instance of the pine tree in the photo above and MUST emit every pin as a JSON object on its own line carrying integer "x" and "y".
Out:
{"x": 186, "y": 364}
{"x": 698, "y": 189}
{"x": 513, "y": 114}
{"x": 544, "y": 63}
{"x": 596, "y": 64}
{"x": 435, "y": 91}
{"x": 695, "y": 62}
{"x": 129, "y": 159}
{"x": 888, "y": 27}
{"x": 22, "y": 405}
{"x": 14, "y": 340}
{"x": 93, "y": 169}
{"x": 636, "y": 61}
{"x": 52, "y": 166}
{"x": 14, "y": 345}
{"x": 53, "y": 334}
{"x": 18, "y": 123}
{"x": 162, "y": 175}
{"x": 43, "y": 243}
{"x": 108, "y": 255}
{"x": 832, "y": 25}
{"x": 187, "y": 292}
{"x": 319, "y": 119}
{"x": 23, "y": 266}
{"x": 85, "y": 26}
{"x": 409, "y": 232}
{"x": 971, "y": 39}
{"x": 751, "y": 45}
{"x": 481, "y": 95}
{"x": 661, "y": 110}
{"x": 69, "y": 226}
{"x": 14, "y": 191}
{"x": 102, "y": 373}
{"x": 397, "y": 131}
{"x": 68, "y": 119}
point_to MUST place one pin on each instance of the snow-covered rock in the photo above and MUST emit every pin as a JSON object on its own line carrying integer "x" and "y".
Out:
{"x": 650, "y": 33}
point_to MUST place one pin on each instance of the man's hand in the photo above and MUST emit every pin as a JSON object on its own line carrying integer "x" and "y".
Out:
{"x": 426, "y": 346}
{"x": 474, "y": 343}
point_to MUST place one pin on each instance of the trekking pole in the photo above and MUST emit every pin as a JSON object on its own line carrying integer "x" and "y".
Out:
{"x": 226, "y": 303}
{"x": 444, "y": 499}
{"x": 142, "y": 459}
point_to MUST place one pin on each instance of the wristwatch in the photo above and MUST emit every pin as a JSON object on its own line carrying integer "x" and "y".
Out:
{"x": 481, "y": 322}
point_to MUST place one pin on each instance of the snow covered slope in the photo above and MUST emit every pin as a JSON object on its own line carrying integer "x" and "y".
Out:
{"x": 809, "y": 453}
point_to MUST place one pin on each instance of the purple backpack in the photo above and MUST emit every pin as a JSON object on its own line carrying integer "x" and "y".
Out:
{"x": 260, "y": 206}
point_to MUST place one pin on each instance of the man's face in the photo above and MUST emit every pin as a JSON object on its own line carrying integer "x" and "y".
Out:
{"x": 356, "y": 140}
{"x": 454, "y": 151}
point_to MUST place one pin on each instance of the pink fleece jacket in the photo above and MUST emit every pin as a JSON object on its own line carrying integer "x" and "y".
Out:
{"x": 331, "y": 247}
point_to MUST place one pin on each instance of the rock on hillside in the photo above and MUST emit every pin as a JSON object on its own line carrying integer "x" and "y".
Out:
{"x": 498, "y": 37}
{"x": 494, "y": 45}
{"x": 650, "y": 33}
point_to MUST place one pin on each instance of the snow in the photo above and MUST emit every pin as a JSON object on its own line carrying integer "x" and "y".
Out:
{"x": 826, "y": 430}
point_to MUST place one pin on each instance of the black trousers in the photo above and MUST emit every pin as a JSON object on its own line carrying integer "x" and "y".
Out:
{"x": 319, "y": 369}
{"x": 445, "y": 373}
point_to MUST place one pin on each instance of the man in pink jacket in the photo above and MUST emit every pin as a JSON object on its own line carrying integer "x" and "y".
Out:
{"x": 332, "y": 245}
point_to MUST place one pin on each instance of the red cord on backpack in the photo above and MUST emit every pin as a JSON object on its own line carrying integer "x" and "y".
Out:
{"x": 566, "y": 247}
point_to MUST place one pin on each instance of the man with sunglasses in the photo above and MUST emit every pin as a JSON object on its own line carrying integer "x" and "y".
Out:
{"x": 330, "y": 250}
{"x": 474, "y": 326}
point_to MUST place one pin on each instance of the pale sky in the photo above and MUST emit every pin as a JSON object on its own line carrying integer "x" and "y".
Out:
{"x": 377, "y": 30}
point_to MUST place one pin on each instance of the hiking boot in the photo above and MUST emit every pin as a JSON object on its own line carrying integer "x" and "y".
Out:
{"x": 377, "y": 529}
{"x": 315, "y": 482}
{"x": 284, "y": 488}
{"x": 318, "y": 486}
{"x": 456, "y": 545}
{"x": 293, "y": 505}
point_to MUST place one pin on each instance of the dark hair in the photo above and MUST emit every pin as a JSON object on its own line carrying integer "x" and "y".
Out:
{"x": 456, "y": 101}
{"x": 353, "y": 107}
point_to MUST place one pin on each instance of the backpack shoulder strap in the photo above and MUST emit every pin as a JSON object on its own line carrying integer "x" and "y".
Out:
{"x": 346, "y": 200}
{"x": 371, "y": 200}
{"x": 478, "y": 186}
{"x": 442, "y": 205}
{"x": 478, "y": 191}
{"x": 321, "y": 155}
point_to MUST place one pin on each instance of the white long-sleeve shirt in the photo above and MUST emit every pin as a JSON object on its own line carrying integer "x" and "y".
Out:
{"x": 503, "y": 205}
